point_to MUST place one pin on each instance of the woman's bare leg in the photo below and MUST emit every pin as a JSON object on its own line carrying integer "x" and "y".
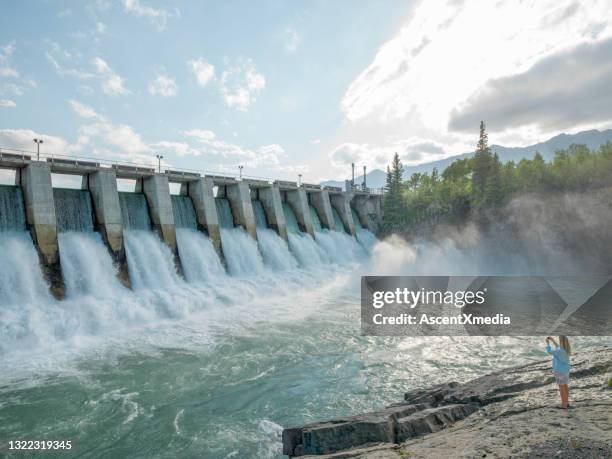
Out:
{"x": 564, "y": 391}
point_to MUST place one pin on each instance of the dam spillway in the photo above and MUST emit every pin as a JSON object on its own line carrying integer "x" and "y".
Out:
{"x": 244, "y": 229}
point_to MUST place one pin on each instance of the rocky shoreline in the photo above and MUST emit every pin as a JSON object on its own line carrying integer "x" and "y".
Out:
{"x": 508, "y": 413}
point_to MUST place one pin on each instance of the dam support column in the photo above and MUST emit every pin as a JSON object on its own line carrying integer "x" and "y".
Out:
{"x": 102, "y": 186}
{"x": 320, "y": 201}
{"x": 298, "y": 200}
{"x": 270, "y": 198}
{"x": 239, "y": 196}
{"x": 361, "y": 205}
{"x": 40, "y": 215}
{"x": 157, "y": 191}
{"x": 342, "y": 203}
{"x": 203, "y": 198}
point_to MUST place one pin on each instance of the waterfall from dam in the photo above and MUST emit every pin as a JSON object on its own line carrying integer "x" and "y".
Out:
{"x": 73, "y": 210}
{"x": 184, "y": 213}
{"x": 150, "y": 261}
{"x": 273, "y": 248}
{"x": 241, "y": 253}
{"x": 87, "y": 267}
{"x": 316, "y": 221}
{"x": 199, "y": 259}
{"x": 365, "y": 237}
{"x": 340, "y": 247}
{"x": 338, "y": 221}
{"x": 12, "y": 209}
{"x": 303, "y": 246}
{"x": 134, "y": 211}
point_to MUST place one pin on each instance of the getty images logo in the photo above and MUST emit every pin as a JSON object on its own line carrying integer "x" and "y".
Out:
{"x": 411, "y": 298}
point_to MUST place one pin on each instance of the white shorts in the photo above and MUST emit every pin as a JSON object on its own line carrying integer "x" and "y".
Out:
{"x": 561, "y": 378}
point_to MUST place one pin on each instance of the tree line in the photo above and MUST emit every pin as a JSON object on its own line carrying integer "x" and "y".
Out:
{"x": 483, "y": 182}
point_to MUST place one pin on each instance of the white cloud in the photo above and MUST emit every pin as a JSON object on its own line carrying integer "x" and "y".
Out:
{"x": 6, "y": 52}
{"x": 210, "y": 144}
{"x": 411, "y": 151}
{"x": 292, "y": 39}
{"x": 100, "y": 27}
{"x": 239, "y": 84}
{"x": 84, "y": 111}
{"x": 22, "y": 140}
{"x": 64, "y": 13}
{"x": 449, "y": 50}
{"x": 203, "y": 71}
{"x": 157, "y": 16}
{"x": 5, "y": 103}
{"x": 65, "y": 63}
{"x": 164, "y": 86}
{"x": 112, "y": 84}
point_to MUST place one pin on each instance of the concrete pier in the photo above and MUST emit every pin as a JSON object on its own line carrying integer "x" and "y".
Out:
{"x": 203, "y": 198}
{"x": 239, "y": 197}
{"x": 298, "y": 200}
{"x": 320, "y": 201}
{"x": 342, "y": 203}
{"x": 367, "y": 207}
{"x": 41, "y": 219}
{"x": 157, "y": 192}
{"x": 272, "y": 203}
{"x": 102, "y": 186}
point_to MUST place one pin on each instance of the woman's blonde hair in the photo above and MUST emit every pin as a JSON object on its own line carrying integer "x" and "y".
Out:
{"x": 565, "y": 345}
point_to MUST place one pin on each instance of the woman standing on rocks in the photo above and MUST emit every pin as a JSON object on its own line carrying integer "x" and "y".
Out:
{"x": 561, "y": 366}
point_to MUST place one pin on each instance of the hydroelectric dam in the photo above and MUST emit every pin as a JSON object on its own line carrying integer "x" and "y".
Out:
{"x": 212, "y": 223}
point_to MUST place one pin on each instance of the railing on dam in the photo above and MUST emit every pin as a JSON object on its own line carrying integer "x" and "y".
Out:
{"x": 11, "y": 157}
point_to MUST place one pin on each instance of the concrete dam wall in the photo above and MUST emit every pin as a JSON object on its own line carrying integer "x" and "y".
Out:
{"x": 214, "y": 223}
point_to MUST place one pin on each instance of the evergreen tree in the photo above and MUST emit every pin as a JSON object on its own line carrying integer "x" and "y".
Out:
{"x": 394, "y": 204}
{"x": 481, "y": 166}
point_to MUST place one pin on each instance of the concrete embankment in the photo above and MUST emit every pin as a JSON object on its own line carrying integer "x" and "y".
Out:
{"x": 509, "y": 413}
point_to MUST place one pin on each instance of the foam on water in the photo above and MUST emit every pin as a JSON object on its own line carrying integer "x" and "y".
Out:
{"x": 199, "y": 259}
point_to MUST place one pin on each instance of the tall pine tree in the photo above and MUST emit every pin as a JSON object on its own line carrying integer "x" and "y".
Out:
{"x": 482, "y": 163}
{"x": 393, "y": 204}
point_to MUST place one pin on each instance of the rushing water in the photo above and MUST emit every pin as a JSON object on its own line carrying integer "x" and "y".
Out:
{"x": 184, "y": 212}
{"x": 73, "y": 210}
{"x": 134, "y": 211}
{"x": 215, "y": 365}
{"x": 338, "y": 220}
{"x": 12, "y": 209}
{"x": 199, "y": 259}
{"x": 224, "y": 211}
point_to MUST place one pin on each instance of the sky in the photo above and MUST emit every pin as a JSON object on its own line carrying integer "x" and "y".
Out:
{"x": 286, "y": 88}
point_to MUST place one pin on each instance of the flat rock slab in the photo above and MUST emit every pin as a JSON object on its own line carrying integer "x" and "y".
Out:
{"x": 511, "y": 412}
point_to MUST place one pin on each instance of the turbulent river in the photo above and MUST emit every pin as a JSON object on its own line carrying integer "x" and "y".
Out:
{"x": 216, "y": 365}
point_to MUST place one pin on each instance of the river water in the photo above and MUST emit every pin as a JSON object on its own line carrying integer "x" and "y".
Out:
{"x": 217, "y": 365}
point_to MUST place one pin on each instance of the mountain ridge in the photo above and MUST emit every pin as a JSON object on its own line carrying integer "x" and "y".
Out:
{"x": 591, "y": 138}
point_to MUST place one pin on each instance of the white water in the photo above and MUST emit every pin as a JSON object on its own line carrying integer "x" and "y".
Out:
{"x": 150, "y": 262}
{"x": 241, "y": 253}
{"x": 340, "y": 247}
{"x": 21, "y": 280}
{"x": 87, "y": 267}
{"x": 366, "y": 238}
{"x": 307, "y": 251}
{"x": 274, "y": 250}
{"x": 199, "y": 259}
